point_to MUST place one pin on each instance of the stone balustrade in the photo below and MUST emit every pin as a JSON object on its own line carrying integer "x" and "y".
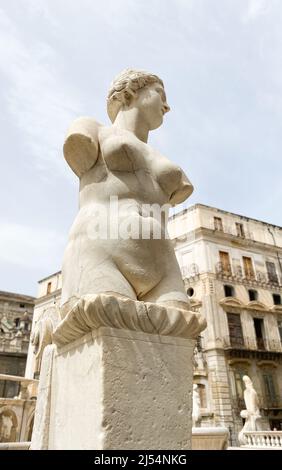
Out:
{"x": 263, "y": 439}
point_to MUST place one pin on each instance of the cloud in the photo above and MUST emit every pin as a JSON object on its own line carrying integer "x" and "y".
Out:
{"x": 255, "y": 9}
{"x": 37, "y": 98}
{"x": 29, "y": 246}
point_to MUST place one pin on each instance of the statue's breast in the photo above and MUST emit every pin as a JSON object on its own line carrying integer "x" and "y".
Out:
{"x": 122, "y": 151}
{"x": 167, "y": 174}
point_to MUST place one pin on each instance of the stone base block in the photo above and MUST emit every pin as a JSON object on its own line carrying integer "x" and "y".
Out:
{"x": 210, "y": 438}
{"x": 121, "y": 389}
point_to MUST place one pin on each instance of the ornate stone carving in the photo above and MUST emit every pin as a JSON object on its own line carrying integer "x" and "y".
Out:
{"x": 95, "y": 311}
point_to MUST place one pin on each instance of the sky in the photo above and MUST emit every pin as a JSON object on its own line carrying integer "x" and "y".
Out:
{"x": 221, "y": 64}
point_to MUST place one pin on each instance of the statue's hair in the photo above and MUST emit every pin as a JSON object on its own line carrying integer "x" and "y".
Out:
{"x": 123, "y": 87}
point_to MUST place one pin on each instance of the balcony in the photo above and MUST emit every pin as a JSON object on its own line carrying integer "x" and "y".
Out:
{"x": 271, "y": 402}
{"x": 271, "y": 440}
{"x": 231, "y": 272}
{"x": 252, "y": 344}
{"x": 265, "y": 403}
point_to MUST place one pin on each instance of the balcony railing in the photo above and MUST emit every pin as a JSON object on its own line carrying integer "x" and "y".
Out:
{"x": 235, "y": 273}
{"x": 263, "y": 439}
{"x": 268, "y": 402}
{"x": 265, "y": 403}
{"x": 252, "y": 343}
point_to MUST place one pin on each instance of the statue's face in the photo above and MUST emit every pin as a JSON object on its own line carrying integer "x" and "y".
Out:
{"x": 151, "y": 102}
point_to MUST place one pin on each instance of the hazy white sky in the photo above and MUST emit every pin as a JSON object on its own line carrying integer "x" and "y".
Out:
{"x": 221, "y": 63}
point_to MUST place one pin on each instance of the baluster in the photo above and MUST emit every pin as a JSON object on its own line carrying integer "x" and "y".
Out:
{"x": 272, "y": 441}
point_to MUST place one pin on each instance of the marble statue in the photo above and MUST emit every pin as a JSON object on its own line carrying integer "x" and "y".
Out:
{"x": 252, "y": 413}
{"x": 117, "y": 161}
{"x": 196, "y": 409}
{"x": 251, "y": 397}
{"x": 125, "y": 328}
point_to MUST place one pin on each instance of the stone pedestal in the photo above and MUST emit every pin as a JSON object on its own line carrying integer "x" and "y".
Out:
{"x": 119, "y": 387}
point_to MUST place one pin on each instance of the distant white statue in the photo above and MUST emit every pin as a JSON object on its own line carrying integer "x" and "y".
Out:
{"x": 196, "y": 409}
{"x": 251, "y": 414}
{"x": 251, "y": 397}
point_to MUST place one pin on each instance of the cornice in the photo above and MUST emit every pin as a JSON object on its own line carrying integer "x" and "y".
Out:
{"x": 217, "y": 236}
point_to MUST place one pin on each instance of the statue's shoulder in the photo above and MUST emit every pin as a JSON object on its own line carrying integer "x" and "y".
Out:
{"x": 82, "y": 144}
{"x": 85, "y": 125}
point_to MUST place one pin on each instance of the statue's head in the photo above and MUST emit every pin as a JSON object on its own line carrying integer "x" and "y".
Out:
{"x": 247, "y": 381}
{"x": 137, "y": 88}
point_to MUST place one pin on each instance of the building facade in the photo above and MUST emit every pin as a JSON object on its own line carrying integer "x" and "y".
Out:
{"x": 231, "y": 268}
{"x": 16, "y": 313}
{"x": 17, "y": 395}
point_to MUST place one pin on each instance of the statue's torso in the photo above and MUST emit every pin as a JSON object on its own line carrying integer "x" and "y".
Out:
{"x": 128, "y": 169}
{"x": 127, "y": 175}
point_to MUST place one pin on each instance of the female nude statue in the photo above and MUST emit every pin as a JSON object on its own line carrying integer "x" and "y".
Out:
{"x": 251, "y": 414}
{"x": 117, "y": 161}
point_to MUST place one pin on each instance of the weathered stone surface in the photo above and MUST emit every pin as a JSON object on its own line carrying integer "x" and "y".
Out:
{"x": 119, "y": 389}
{"x": 95, "y": 311}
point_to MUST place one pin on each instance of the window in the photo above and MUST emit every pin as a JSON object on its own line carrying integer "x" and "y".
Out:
{"x": 253, "y": 294}
{"x": 22, "y": 305}
{"x": 190, "y": 291}
{"x": 17, "y": 322}
{"x": 49, "y": 287}
{"x": 259, "y": 330}
{"x": 225, "y": 263}
{"x": 276, "y": 299}
{"x": 240, "y": 230}
{"x": 269, "y": 388}
{"x": 235, "y": 330}
{"x": 228, "y": 291}
{"x": 271, "y": 272}
{"x": 218, "y": 224}
{"x": 248, "y": 267}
